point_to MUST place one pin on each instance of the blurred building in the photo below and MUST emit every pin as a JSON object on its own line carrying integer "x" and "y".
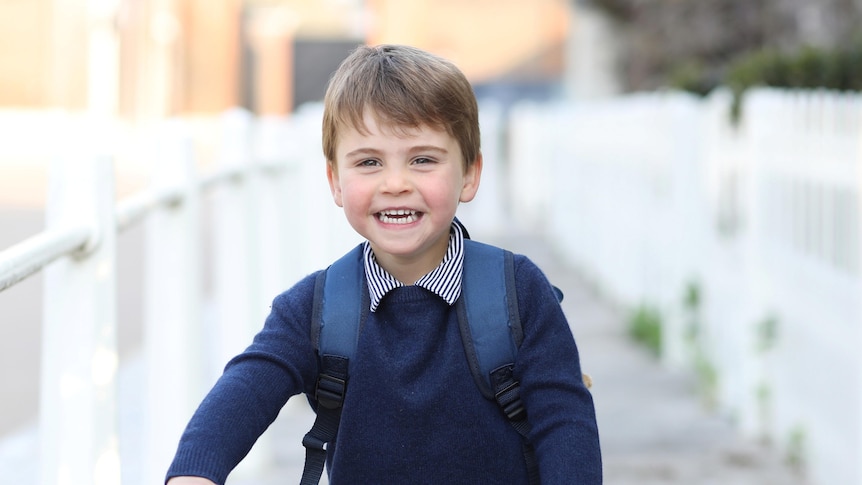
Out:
{"x": 649, "y": 45}
{"x": 152, "y": 58}
{"x": 509, "y": 49}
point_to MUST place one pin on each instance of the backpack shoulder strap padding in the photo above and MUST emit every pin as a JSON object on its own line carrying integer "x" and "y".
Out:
{"x": 491, "y": 332}
{"x": 340, "y": 305}
{"x": 488, "y": 312}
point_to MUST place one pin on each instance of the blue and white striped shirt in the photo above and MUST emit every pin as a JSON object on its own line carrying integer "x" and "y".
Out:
{"x": 444, "y": 280}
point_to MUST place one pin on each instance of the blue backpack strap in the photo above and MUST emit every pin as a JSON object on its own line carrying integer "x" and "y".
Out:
{"x": 339, "y": 308}
{"x": 491, "y": 332}
{"x": 488, "y": 312}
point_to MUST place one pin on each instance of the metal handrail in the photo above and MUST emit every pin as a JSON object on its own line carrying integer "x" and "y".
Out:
{"x": 134, "y": 208}
{"x": 32, "y": 254}
{"x": 229, "y": 174}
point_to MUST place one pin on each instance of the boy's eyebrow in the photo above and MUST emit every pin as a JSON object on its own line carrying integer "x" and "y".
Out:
{"x": 416, "y": 149}
{"x": 428, "y": 148}
{"x": 361, "y": 151}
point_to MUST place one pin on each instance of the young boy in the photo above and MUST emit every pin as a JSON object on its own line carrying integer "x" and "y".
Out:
{"x": 401, "y": 140}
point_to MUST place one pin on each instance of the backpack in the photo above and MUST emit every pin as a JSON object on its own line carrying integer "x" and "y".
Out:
{"x": 488, "y": 320}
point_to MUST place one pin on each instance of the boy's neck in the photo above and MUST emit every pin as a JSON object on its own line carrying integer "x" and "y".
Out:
{"x": 409, "y": 270}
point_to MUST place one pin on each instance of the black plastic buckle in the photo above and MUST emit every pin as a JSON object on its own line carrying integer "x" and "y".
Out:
{"x": 509, "y": 399}
{"x": 313, "y": 442}
{"x": 330, "y": 391}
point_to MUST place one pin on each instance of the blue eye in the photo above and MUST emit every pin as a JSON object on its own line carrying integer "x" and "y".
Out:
{"x": 423, "y": 160}
{"x": 368, "y": 163}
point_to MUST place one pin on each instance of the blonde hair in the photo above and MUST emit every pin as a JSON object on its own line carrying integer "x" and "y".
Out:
{"x": 405, "y": 88}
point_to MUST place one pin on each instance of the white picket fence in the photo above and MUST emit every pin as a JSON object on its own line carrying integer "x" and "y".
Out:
{"x": 654, "y": 195}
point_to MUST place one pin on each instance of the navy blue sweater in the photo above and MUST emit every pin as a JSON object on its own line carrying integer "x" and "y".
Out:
{"x": 412, "y": 413}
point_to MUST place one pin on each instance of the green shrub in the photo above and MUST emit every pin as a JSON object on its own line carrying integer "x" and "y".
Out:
{"x": 807, "y": 68}
{"x": 707, "y": 377}
{"x": 767, "y": 333}
{"x": 796, "y": 447}
{"x": 645, "y": 327}
{"x": 691, "y": 76}
{"x": 691, "y": 306}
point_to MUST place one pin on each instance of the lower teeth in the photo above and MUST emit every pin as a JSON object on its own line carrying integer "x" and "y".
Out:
{"x": 397, "y": 220}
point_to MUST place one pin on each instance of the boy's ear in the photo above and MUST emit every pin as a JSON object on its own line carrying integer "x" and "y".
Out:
{"x": 334, "y": 183}
{"x": 471, "y": 180}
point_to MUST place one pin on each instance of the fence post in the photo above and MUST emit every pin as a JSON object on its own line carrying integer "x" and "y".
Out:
{"x": 484, "y": 215}
{"x": 286, "y": 190}
{"x": 239, "y": 309}
{"x": 173, "y": 334}
{"x": 272, "y": 152}
{"x": 755, "y": 407}
{"x": 233, "y": 242}
{"x": 685, "y": 239}
{"x": 323, "y": 235}
{"x": 78, "y": 418}
{"x": 856, "y": 249}
{"x": 529, "y": 165}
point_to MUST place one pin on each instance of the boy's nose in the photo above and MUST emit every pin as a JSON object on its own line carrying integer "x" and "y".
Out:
{"x": 395, "y": 181}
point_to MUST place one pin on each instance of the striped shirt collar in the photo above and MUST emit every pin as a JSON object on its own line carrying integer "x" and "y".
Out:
{"x": 444, "y": 280}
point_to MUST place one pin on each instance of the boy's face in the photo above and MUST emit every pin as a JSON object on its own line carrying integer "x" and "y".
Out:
{"x": 400, "y": 191}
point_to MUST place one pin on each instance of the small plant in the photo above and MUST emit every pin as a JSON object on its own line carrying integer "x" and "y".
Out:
{"x": 691, "y": 300}
{"x": 796, "y": 444}
{"x": 691, "y": 306}
{"x": 707, "y": 377}
{"x": 645, "y": 327}
{"x": 705, "y": 370}
{"x": 763, "y": 393}
{"x": 767, "y": 333}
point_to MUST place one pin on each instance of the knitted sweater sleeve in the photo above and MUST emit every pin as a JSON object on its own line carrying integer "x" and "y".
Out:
{"x": 255, "y": 385}
{"x": 559, "y": 406}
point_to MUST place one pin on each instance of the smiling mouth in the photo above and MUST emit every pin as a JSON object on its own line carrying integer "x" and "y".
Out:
{"x": 400, "y": 216}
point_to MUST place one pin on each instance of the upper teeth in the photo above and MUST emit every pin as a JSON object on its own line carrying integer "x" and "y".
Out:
{"x": 396, "y": 216}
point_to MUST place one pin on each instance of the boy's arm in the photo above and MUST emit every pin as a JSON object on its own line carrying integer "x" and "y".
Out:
{"x": 248, "y": 396}
{"x": 559, "y": 406}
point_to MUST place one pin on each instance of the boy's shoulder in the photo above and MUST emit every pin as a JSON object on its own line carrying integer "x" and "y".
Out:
{"x": 303, "y": 290}
{"x": 522, "y": 264}
{"x": 300, "y": 295}
{"x": 529, "y": 282}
